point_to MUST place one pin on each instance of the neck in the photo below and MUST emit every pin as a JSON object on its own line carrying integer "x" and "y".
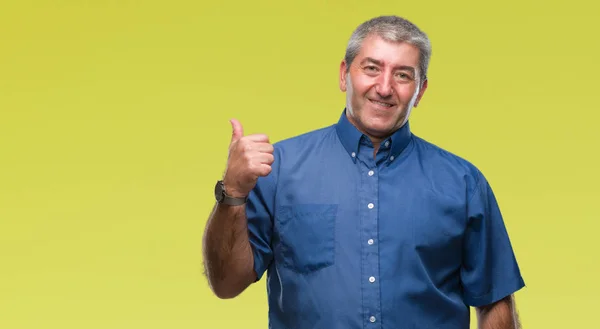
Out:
{"x": 376, "y": 141}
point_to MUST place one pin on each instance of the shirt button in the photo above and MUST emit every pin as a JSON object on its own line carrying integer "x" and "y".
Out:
{"x": 387, "y": 143}
{"x": 392, "y": 158}
{"x": 371, "y": 172}
{"x": 372, "y": 319}
{"x": 372, "y": 279}
{"x": 370, "y": 241}
{"x": 353, "y": 154}
{"x": 370, "y": 205}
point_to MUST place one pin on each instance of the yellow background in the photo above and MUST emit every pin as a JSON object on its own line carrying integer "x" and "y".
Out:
{"x": 114, "y": 128}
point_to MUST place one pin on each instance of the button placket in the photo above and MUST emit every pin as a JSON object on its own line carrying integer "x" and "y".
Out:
{"x": 369, "y": 231}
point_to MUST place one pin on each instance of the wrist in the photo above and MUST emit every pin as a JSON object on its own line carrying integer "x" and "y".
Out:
{"x": 231, "y": 190}
{"x": 234, "y": 193}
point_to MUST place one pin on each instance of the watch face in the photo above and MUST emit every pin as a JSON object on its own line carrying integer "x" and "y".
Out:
{"x": 219, "y": 191}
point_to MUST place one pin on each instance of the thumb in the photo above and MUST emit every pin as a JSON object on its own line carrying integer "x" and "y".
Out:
{"x": 238, "y": 131}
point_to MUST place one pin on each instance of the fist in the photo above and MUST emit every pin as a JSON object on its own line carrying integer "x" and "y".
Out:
{"x": 249, "y": 158}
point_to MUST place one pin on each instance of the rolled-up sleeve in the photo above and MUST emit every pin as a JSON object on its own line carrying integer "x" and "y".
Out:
{"x": 259, "y": 212}
{"x": 490, "y": 270}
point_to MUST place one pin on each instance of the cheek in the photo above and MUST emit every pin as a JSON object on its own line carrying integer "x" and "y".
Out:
{"x": 361, "y": 86}
{"x": 357, "y": 98}
{"x": 407, "y": 94}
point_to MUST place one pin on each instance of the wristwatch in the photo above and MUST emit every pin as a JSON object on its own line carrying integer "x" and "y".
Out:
{"x": 223, "y": 198}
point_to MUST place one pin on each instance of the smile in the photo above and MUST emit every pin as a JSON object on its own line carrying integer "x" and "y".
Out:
{"x": 387, "y": 105}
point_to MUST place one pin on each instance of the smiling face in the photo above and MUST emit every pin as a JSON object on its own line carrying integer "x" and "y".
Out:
{"x": 382, "y": 86}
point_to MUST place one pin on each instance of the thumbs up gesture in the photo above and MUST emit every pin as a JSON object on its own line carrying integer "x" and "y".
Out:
{"x": 249, "y": 158}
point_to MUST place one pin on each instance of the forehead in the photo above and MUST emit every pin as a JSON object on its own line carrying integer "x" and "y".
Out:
{"x": 388, "y": 52}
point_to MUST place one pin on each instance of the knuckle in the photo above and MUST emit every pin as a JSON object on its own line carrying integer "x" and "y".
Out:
{"x": 267, "y": 170}
{"x": 251, "y": 167}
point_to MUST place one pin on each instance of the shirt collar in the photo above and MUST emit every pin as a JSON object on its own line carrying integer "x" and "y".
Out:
{"x": 350, "y": 137}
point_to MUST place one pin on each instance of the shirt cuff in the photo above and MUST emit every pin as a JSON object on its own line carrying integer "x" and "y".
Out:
{"x": 497, "y": 293}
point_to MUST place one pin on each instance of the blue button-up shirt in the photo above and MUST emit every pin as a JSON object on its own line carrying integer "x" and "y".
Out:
{"x": 406, "y": 238}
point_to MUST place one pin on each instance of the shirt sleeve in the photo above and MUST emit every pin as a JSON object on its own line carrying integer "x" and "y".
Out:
{"x": 259, "y": 212}
{"x": 489, "y": 271}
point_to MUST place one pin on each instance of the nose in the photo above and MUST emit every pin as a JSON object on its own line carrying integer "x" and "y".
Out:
{"x": 384, "y": 86}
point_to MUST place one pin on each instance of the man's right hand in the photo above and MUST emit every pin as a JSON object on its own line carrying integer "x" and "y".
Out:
{"x": 249, "y": 158}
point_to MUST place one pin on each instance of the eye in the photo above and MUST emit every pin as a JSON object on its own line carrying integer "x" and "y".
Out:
{"x": 403, "y": 76}
{"x": 371, "y": 68}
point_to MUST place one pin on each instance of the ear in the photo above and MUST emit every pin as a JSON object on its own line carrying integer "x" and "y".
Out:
{"x": 421, "y": 92}
{"x": 343, "y": 69}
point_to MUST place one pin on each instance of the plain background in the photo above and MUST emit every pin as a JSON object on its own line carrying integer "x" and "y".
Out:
{"x": 114, "y": 128}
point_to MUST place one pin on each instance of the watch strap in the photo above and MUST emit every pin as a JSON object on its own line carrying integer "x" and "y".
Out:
{"x": 223, "y": 198}
{"x": 231, "y": 201}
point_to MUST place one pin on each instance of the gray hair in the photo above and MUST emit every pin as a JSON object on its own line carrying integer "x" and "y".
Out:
{"x": 394, "y": 29}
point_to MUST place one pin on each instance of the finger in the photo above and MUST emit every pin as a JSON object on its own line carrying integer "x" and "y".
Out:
{"x": 262, "y": 138}
{"x": 237, "y": 130}
{"x": 263, "y": 158}
{"x": 264, "y": 170}
{"x": 263, "y": 147}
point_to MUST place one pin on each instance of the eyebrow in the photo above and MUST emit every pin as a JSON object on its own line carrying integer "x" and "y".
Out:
{"x": 380, "y": 63}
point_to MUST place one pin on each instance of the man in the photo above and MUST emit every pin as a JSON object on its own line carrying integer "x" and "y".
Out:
{"x": 363, "y": 224}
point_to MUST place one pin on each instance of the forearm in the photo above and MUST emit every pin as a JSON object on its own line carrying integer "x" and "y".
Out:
{"x": 228, "y": 258}
{"x": 500, "y": 315}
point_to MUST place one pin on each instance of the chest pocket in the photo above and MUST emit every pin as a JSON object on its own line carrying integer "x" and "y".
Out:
{"x": 306, "y": 236}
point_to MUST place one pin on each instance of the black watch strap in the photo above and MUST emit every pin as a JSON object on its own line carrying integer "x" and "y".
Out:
{"x": 231, "y": 201}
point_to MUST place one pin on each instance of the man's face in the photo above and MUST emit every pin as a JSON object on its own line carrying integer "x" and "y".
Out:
{"x": 382, "y": 86}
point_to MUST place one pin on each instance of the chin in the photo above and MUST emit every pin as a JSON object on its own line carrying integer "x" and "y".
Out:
{"x": 381, "y": 125}
{"x": 377, "y": 124}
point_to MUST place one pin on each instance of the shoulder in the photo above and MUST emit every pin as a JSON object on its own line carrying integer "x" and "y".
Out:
{"x": 445, "y": 162}
{"x": 309, "y": 136}
{"x": 294, "y": 152}
{"x": 439, "y": 155}
{"x": 308, "y": 141}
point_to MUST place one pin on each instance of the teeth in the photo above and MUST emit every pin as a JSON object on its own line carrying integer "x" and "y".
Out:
{"x": 383, "y": 104}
